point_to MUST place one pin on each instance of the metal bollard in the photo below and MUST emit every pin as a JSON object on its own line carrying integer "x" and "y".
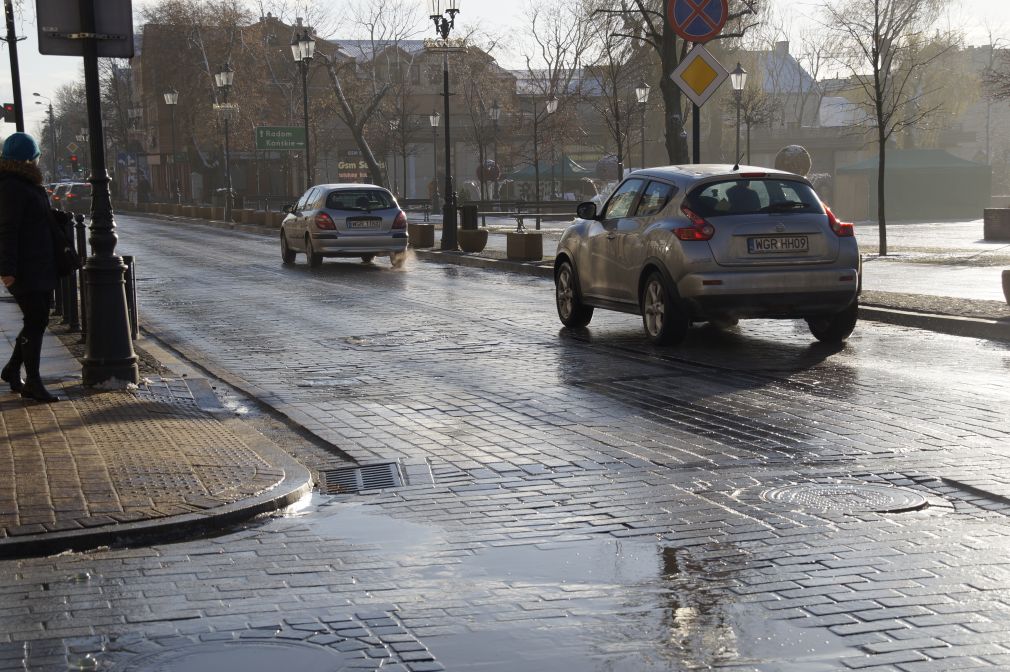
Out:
{"x": 131, "y": 296}
{"x": 82, "y": 248}
{"x": 71, "y": 315}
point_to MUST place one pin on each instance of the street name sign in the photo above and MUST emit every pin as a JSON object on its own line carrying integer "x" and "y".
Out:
{"x": 697, "y": 21}
{"x": 280, "y": 138}
{"x": 699, "y": 75}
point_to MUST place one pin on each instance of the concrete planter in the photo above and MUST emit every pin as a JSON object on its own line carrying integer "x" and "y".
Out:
{"x": 1006, "y": 285}
{"x": 421, "y": 235}
{"x": 245, "y": 216}
{"x": 472, "y": 240}
{"x": 205, "y": 212}
{"x": 522, "y": 246}
{"x": 996, "y": 224}
{"x": 274, "y": 219}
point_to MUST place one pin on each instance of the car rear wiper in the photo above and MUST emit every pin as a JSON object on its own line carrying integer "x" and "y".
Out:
{"x": 784, "y": 205}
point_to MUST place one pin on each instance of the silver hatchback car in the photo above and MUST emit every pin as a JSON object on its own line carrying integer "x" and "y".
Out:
{"x": 344, "y": 220}
{"x": 710, "y": 243}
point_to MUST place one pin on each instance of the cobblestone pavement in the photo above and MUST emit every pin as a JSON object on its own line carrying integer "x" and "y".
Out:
{"x": 570, "y": 502}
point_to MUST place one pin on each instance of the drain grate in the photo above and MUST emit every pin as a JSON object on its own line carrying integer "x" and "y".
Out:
{"x": 347, "y": 480}
{"x": 851, "y": 497}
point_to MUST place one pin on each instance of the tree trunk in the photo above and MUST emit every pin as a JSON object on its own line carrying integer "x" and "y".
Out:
{"x": 881, "y": 163}
{"x": 676, "y": 146}
{"x": 357, "y": 125}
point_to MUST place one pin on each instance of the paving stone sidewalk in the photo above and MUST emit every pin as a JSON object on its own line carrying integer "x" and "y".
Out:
{"x": 110, "y": 466}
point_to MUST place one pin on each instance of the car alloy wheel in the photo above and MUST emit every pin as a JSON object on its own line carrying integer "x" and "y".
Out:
{"x": 315, "y": 260}
{"x": 573, "y": 313}
{"x": 664, "y": 321}
{"x": 287, "y": 254}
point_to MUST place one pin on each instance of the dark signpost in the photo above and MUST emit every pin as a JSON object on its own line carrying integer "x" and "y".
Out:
{"x": 697, "y": 21}
{"x": 89, "y": 28}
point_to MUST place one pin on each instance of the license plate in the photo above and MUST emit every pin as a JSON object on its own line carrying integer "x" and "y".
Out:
{"x": 364, "y": 223}
{"x": 778, "y": 244}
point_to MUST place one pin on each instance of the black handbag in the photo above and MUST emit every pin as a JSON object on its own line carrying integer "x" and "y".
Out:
{"x": 66, "y": 257}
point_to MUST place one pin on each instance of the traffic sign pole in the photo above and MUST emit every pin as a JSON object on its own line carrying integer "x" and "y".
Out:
{"x": 696, "y": 132}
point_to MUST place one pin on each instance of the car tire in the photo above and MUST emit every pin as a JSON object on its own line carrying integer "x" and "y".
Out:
{"x": 367, "y": 258}
{"x": 573, "y": 313}
{"x": 834, "y": 328}
{"x": 315, "y": 259}
{"x": 663, "y": 318}
{"x": 287, "y": 254}
{"x": 397, "y": 259}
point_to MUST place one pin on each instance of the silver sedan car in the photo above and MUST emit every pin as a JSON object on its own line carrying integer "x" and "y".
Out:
{"x": 710, "y": 243}
{"x": 344, "y": 220}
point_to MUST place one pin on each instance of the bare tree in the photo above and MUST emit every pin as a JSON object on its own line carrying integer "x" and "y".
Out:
{"x": 559, "y": 42}
{"x": 882, "y": 40}
{"x": 616, "y": 71}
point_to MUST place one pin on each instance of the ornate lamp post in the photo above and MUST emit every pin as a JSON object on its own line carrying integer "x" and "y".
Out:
{"x": 444, "y": 22}
{"x": 551, "y": 106}
{"x": 172, "y": 99}
{"x": 303, "y": 47}
{"x": 52, "y": 133}
{"x": 495, "y": 116}
{"x": 738, "y": 80}
{"x": 433, "y": 119}
{"x": 642, "y": 94}
{"x": 394, "y": 126}
{"x": 108, "y": 355}
{"x": 224, "y": 80}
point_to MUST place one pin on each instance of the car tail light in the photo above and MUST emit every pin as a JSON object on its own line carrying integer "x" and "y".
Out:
{"x": 325, "y": 222}
{"x": 699, "y": 229}
{"x": 401, "y": 221}
{"x": 841, "y": 229}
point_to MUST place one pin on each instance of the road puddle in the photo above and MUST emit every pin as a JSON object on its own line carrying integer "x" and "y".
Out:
{"x": 591, "y": 603}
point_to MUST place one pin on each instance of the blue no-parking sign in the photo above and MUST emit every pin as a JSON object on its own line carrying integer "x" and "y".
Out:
{"x": 697, "y": 20}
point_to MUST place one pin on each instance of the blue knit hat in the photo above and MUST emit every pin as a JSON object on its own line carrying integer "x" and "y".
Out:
{"x": 20, "y": 147}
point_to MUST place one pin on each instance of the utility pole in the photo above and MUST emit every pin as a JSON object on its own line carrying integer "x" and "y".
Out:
{"x": 12, "y": 43}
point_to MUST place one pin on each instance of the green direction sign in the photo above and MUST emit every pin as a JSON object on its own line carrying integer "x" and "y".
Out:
{"x": 280, "y": 138}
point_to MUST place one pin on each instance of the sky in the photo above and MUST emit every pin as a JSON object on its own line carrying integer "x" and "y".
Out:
{"x": 44, "y": 74}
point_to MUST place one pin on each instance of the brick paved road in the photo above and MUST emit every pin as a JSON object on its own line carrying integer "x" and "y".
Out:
{"x": 573, "y": 503}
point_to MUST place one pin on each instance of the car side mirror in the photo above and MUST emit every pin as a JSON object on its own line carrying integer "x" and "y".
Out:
{"x": 289, "y": 208}
{"x": 586, "y": 210}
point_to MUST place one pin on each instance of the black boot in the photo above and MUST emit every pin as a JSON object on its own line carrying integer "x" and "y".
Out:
{"x": 34, "y": 389}
{"x": 11, "y": 374}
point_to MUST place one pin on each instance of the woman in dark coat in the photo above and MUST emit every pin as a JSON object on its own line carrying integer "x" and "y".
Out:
{"x": 27, "y": 261}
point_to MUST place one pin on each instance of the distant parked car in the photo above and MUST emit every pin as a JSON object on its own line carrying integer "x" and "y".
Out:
{"x": 344, "y": 220}
{"x": 710, "y": 243}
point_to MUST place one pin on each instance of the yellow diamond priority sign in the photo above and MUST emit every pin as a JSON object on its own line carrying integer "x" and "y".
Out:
{"x": 699, "y": 75}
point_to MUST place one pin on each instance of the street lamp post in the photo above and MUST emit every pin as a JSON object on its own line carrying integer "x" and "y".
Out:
{"x": 551, "y": 106}
{"x": 394, "y": 126}
{"x": 642, "y": 94}
{"x": 224, "y": 80}
{"x": 303, "y": 47}
{"x": 172, "y": 99}
{"x": 433, "y": 119}
{"x": 109, "y": 357}
{"x": 738, "y": 79}
{"x": 52, "y": 133}
{"x": 495, "y": 116}
{"x": 444, "y": 22}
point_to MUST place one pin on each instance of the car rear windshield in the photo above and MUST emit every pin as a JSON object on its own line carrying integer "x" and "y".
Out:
{"x": 751, "y": 196}
{"x": 359, "y": 199}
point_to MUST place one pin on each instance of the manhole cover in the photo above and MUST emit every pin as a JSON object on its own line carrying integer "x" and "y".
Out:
{"x": 247, "y": 656}
{"x": 846, "y": 497}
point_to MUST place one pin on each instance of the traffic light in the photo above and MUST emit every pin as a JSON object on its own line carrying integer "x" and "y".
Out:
{"x": 73, "y": 164}
{"x": 9, "y": 115}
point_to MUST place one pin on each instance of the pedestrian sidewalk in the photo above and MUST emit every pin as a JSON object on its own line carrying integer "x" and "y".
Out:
{"x": 105, "y": 467}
